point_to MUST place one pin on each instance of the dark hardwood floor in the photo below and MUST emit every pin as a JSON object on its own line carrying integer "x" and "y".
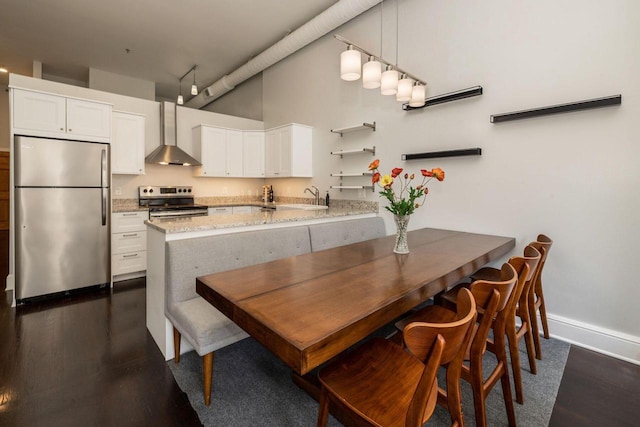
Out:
{"x": 88, "y": 360}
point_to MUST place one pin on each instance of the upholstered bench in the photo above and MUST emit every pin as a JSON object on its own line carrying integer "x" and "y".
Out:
{"x": 197, "y": 321}
{"x": 193, "y": 318}
{"x": 332, "y": 234}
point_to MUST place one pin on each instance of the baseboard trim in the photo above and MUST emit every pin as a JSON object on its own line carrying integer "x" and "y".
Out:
{"x": 606, "y": 341}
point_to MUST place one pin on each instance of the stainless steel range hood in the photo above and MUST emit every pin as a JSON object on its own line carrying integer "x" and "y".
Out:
{"x": 168, "y": 153}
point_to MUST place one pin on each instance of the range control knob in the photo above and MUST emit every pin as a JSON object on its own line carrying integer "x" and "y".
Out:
{"x": 151, "y": 190}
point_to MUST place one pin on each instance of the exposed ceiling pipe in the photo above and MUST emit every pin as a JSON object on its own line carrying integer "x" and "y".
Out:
{"x": 338, "y": 14}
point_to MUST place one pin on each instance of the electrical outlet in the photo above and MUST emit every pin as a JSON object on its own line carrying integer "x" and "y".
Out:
{"x": 118, "y": 191}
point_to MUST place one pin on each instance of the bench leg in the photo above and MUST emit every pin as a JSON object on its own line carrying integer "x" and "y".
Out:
{"x": 207, "y": 370}
{"x": 176, "y": 345}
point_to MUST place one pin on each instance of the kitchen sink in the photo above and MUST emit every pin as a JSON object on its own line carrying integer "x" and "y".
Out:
{"x": 301, "y": 206}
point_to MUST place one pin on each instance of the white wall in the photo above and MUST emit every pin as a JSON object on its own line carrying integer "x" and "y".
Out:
{"x": 123, "y": 85}
{"x": 572, "y": 176}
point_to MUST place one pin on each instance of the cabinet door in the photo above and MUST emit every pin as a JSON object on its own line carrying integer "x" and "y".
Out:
{"x": 234, "y": 153}
{"x": 39, "y": 112}
{"x": 272, "y": 153}
{"x": 285, "y": 151}
{"x": 88, "y": 119}
{"x": 253, "y": 156}
{"x": 214, "y": 151}
{"x": 127, "y": 144}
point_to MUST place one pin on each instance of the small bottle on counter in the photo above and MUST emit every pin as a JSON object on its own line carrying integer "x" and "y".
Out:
{"x": 326, "y": 199}
{"x": 271, "y": 198}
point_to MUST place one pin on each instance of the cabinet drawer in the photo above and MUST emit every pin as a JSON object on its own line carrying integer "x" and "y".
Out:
{"x": 124, "y": 222}
{"x": 128, "y": 263}
{"x": 223, "y": 210}
{"x": 128, "y": 242}
{"x": 241, "y": 209}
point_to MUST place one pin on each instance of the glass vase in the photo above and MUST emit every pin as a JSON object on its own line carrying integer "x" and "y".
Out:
{"x": 402, "y": 222}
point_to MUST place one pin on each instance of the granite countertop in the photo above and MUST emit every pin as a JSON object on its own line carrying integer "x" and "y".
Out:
{"x": 204, "y": 223}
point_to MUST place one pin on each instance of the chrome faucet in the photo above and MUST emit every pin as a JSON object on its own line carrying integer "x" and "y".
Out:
{"x": 316, "y": 194}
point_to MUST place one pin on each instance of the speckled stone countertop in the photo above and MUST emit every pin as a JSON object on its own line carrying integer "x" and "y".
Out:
{"x": 205, "y": 223}
{"x": 126, "y": 205}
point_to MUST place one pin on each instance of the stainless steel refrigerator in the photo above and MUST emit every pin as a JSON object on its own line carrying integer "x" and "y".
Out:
{"x": 62, "y": 226}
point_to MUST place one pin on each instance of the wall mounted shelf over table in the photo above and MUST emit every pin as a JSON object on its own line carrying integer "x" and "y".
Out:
{"x": 355, "y": 128}
{"x": 477, "y": 151}
{"x": 556, "y": 109}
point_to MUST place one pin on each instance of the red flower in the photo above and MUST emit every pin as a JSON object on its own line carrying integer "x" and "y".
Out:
{"x": 426, "y": 173}
{"x": 395, "y": 172}
{"x": 375, "y": 178}
{"x": 374, "y": 165}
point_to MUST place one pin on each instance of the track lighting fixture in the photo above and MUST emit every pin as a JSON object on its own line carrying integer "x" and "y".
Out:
{"x": 194, "y": 87}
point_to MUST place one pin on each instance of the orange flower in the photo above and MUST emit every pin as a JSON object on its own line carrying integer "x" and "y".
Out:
{"x": 395, "y": 172}
{"x": 438, "y": 173}
{"x": 402, "y": 196}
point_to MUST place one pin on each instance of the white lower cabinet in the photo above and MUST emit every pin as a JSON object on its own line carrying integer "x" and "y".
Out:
{"x": 129, "y": 244}
{"x": 222, "y": 210}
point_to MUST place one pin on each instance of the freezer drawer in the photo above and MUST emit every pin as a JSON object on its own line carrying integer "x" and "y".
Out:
{"x": 62, "y": 240}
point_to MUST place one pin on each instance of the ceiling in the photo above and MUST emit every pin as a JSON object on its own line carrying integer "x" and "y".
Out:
{"x": 155, "y": 40}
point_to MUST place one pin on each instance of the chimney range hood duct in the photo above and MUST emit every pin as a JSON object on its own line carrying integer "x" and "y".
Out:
{"x": 168, "y": 153}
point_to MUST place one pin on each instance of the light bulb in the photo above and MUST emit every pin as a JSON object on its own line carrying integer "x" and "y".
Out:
{"x": 405, "y": 87}
{"x": 389, "y": 83}
{"x": 350, "y": 63}
{"x": 418, "y": 95}
{"x": 371, "y": 74}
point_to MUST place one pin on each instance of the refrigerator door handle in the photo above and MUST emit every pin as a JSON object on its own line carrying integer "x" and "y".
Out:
{"x": 105, "y": 192}
{"x": 103, "y": 170}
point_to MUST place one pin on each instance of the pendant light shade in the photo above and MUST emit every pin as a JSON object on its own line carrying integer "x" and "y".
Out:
{"x": 371, "y": 74}
{"x": 389, "y": 83}
{"x": 350, "y": 63}
{"x": 418, "y": 96}
{"x": 405, "y": 88}
{"x": 180, "y": 100}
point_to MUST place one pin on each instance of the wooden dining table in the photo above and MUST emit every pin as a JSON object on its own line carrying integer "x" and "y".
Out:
{"x": 309, "y": 308}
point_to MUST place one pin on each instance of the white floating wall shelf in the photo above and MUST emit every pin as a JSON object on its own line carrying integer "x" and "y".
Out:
{"x": 355, "y": 128}
{"x": 356, "y": 151}
{"x": 353, "y": 187}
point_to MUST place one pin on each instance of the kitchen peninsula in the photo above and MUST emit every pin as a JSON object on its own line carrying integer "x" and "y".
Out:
{"x": 161, "y": 231}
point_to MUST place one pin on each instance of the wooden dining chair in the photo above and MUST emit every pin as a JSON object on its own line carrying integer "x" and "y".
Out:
{"x": 382, "y": 384}
{"x": 536, "y": 301}
{"x": 453, "y": 358}
{"x": 518, "y": 306}
{"x": 492, "y": 299}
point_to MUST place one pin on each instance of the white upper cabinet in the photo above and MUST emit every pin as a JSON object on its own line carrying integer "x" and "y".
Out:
{"x": 43, "y": 114}
{"x": 127, "y": 143}
{"x": 288, "y": 151}
{"x": 253, "y": 145}
{"x": 219, "y": 150}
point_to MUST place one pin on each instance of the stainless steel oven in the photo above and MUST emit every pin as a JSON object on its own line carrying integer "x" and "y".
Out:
{"x": 170, "y": 202}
